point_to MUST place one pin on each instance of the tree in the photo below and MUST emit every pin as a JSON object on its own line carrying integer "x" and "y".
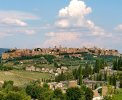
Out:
{"x": 110, "y": 80}
{"x": 60, "y": 77}
{"x": 49, "y": 58}
{"x": 117, "y": 64}
{"x": 6, "y": 83}
{"x": 120, "y": 83}
{"x": 80, "y": 75}
{"x": 2, "y": 94}
{"x": 58, "y": 94}
{"x": 16, "y": 96}
{"x": 5, "y": 68}
{"x": 87, "y": 71}
{"x": 105, "y": 76}
{"x": 114, "y": 80}
{"x": 37, "y": 92}
{"x": 46, "y": 94}
{"x": 45, "y": 85}
{"x": 97, "y": 66}
{"x": 88, "y": 94}
{"x": 99, "y": 76}
{"x": 34, "y": 90}
{"x": 75, "y": 73}
{"x": 73, "y": 93}
{"x": 56, "y": 65}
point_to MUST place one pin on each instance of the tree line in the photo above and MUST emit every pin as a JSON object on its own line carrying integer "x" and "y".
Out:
{"x": 34, "y": 90}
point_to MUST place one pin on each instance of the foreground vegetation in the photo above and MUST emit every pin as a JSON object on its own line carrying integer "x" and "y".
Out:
{"x": 34, "y": 90}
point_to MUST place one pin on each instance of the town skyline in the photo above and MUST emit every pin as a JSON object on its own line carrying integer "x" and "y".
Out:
{"x": 70, "y": 23}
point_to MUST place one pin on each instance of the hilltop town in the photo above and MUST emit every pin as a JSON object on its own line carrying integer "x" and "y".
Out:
{"x": 14, "y": 53}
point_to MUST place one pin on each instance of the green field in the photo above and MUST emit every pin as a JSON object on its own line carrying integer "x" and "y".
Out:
{"x": 118, "y": 96}
{"x": 22, "y": 77}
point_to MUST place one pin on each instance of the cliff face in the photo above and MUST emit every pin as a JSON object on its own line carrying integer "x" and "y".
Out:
{"x": 56, "y": 51}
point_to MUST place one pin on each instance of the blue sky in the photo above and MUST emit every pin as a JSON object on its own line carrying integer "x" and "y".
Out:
{"x": 71, "y": 23}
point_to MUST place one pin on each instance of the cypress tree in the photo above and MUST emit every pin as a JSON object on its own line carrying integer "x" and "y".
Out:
{"x": 80, "y": 76}
{"x": 97, "y": 66}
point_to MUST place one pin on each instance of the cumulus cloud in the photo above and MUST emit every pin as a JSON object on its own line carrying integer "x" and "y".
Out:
{"x": 74, "y": 16}
{"x": 63, "y": 23}
{"x": 72, "y": 26}
{"x": 75, "y": 9}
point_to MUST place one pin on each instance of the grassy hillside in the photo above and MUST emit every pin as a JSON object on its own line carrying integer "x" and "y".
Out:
{"x": 118, "y": 96}
{"x": 22, "y": 77}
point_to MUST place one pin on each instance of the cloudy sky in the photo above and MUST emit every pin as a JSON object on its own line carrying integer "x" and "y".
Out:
{"x": 71, "y": 23}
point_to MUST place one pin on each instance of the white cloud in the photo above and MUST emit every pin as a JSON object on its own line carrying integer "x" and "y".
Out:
{"x": 73, "y": 27}
{"x": 17, "y": 15}
{"x": 74, "y": 15}
{"x": 57, "y": 38}
{"x": 62, "y": 23}
{"x": 119, "y": 28}
{"x": 11, "y": 32}
{"x": 13, "y": 22}
{"x": 95, "y": 30}
{"x": 75, "y": 9}
{"x": 16, "y": 18}
{"x": 29, "y": 32}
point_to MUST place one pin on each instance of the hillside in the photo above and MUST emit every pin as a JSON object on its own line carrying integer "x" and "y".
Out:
{"x": 22, "y": 77}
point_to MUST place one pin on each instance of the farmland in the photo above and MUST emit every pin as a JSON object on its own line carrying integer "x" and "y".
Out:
{"x": 22, "y": 77}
